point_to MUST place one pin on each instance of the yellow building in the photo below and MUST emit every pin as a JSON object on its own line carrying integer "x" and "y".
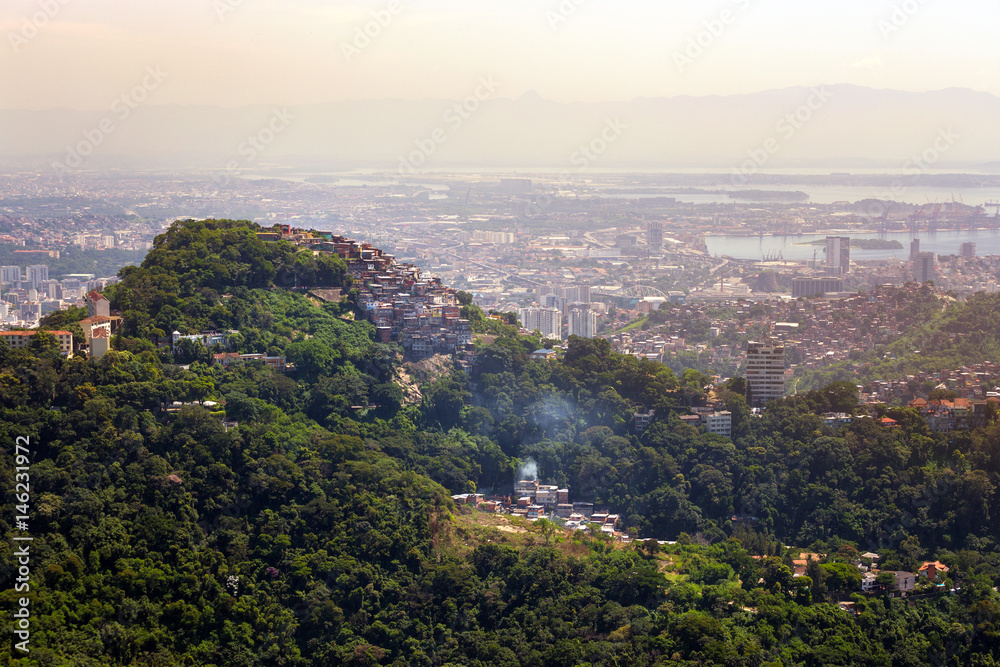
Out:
{"x": 21, "y": 339}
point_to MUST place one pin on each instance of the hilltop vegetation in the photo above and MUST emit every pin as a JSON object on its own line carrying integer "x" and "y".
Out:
{"x": 194, "y": 269}
{"x": 320, "y": 530}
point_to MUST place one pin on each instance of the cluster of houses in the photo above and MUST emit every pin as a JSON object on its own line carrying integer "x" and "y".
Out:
{"x": 534, "y": 501}
{"x": 715, "y": 421}
{"x": 942, "y": 415}
{"x": 817, "y": 332}
{"x": 868, "y": 564}
{"x": 974, "y": 382}
{"x": 98, "y": 327}
{"x": 838, "y": 419}
{"x": 421, "y": 314}
{"x": 960, "y": 414}
{"x": 905, "y": 582}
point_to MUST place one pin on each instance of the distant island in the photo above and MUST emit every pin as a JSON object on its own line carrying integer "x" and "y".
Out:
{"x": 864, "y": 244}
{"x": 769, "y": 195}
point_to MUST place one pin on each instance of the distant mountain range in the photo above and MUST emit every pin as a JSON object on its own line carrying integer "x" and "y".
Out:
{"x": 847, "y": 127}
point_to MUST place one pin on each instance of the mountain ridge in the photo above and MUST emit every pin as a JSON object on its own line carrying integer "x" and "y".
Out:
{"x": 833, "y": 125}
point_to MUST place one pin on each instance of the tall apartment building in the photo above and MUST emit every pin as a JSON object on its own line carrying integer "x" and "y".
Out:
{"x": 838, "y": 254}
{"x": 967, "y": 251}
{"x": 571, "y": 294}
{"x": 924, "y": 267}
{"x": 37, "y": 273}
{"x": 577, "y": 294}
{"x": 583, "y": 323}
{"x": 765, "y": 372}
{"x": 654, "y": 238}
{"x": 10, "y": 274}
{"x": 914, "y": 249}
{"x": 546, "y": 320}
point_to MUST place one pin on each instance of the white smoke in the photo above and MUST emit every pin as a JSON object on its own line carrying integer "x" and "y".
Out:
{"x": 528, "y": 470}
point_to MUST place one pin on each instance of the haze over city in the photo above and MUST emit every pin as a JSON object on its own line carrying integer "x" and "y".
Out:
{"x": 696, "y": 85}
{"x": 291, "y": 52}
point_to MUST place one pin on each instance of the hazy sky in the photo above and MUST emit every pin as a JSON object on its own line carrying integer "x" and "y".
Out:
{"x": 238, "y": 52}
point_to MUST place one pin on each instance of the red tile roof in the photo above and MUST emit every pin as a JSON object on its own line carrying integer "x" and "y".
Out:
{"x": 937, "y": 565}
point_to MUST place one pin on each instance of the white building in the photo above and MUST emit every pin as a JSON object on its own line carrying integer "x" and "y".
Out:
{"x": 765, "y": 372}
{"x": 546, "y": 320}
{"x": 547, "y": 495}
{"x": 206, "y": 339}
{"x": 98, "y": 304}
{"x": 526, "y": 488}
{"x": 838, "y": 254}
{"x": 720, "y": 423}
{"x": 499, "y": 238}
{"x": 36, "y": 274}
{"x": 583, "y": 323}
{"x": 100, "y": 343}
{"x": 10, "y": 274}
{"x": 643, "y": 420}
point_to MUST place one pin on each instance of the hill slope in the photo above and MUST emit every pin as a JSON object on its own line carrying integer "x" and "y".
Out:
{"x": 315, "y": 533}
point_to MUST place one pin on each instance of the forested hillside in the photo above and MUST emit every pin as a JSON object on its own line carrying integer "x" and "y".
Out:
{"x": 320, "y": 529}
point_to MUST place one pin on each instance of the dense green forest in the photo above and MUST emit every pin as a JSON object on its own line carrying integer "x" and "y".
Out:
{"x": 320, "y": 530}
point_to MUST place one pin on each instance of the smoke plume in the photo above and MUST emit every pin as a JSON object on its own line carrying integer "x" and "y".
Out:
{"x": 528, "y": 470}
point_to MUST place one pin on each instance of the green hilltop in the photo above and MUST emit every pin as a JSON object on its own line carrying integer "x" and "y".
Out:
{"x": 186, "y": 512}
